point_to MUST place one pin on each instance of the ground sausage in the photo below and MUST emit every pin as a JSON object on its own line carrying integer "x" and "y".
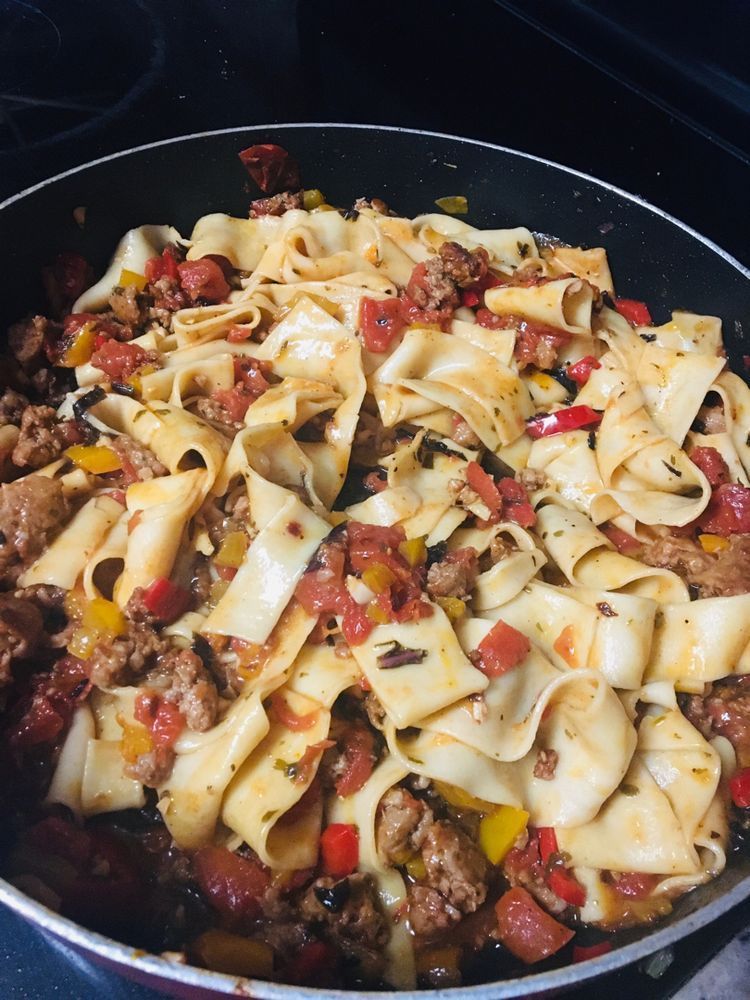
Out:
{"x": 724, "y": 711}
{"x": 31, "y": 511}
{"x": 12, "y": 406}
{"x": 430, "y": 911}
{"x": 464, "y": 267}
{"x": 401, "y": 825}
{"x": 123, "y": 660}
{"x": 152, "y": 768}
{"x": 26, "y": 340}
{"x": 455, "y": 575}
{"x": 276, "y": 204}
{"x": 463, "y": 434}
{"x": 139, "y": 463}
{"x": 191, "y": 689}
{"x": 455, "y": 866}
{"x": 531, "y": 479}
{"x": 715, "y": 574}
{"x": 129, "y": 306}
{"x": 546, "y": 764}
{"x": 42, "y": 439}
{"x": 21, "y": 630}
{"x": 354, "y": 915}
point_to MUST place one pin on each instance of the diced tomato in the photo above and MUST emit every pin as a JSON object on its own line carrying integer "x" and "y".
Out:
{"x": 526, "y": 930}
{"x": 164, "y": 266}
{"x": 252, "y": 374}
{"x": 359, "y": 756}
{"x": 413, "y": 313}
{"x": 164, "y": 721}
{"x": 516, "y": 506}
{"x": 237, "y": 334}
{"x": 635, "y": 312}
{"x": 235, "y": 401}
{"x": 233, "y": 885}
{"x": 566, "y": 886}
{"x": 302, "y": 772}
{"x": 203, "y": 280}
{"x": 474, "y": 294}
{"x": 284, "y": 714}
{"x": 502, "y": 649}
{"x": 572, "y": 418}
{"x": 621, "y": 540}
{"x": 339, "y": 848}
{"x": 224, "y": 263}
{"x": 381, "y": 322}
{"x": 316, "y": 962}
{"x": 271, "y": 167}
{"x": 490, "y": 321}
{"x": 728, "y": 511}
{"x": 636, "y": 885}
{"x": 118, "y": 360}
{"x": 43, "y": 715}
{"x": 355, "y": 625}
{"x": 739, "y": 786}
{"x": 582, "y": 953}
{"x": 547, "y": 843}
{"x": 165, "y": 600}
{"x": 484, "y": 486}
{"x": 581, "y": 371}
{"x": 712, "y": 465}
{"x": 374, "y": 482}
{"x": 65, "y": 279}
{"x": 536, "y": 343}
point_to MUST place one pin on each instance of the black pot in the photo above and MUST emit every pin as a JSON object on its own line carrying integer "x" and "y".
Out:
{"x": 654, "y": 258}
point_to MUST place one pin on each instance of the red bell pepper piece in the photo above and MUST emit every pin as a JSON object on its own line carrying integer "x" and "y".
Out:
{"x": 635, "y": 312}
{"x": 571, "y": 419}
{"x": 621, "y": 540}
{"x": 165, "y": 600}
{"x": 739, "y": 786}
{"x": 564, "y": 885}
{"x": 583, "y": 952}
{"x": 526, "y": 930}
{"x": 339, "y": 847}
{"x": 547, "y": 843}
{"x": 381, "y": 321}
{"x": 502, "y": 649}
{"x": 484, "y": 486}
{"x": 581, "y": 371}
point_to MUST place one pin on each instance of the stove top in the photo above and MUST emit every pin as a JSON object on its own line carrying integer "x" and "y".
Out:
{"x": 656, "y": 105}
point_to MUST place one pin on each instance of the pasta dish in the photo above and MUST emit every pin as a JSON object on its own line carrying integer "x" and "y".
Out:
{"x": 375, "y": 596}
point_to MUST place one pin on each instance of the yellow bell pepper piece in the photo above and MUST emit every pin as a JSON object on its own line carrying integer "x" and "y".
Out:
{"x": 232, "y": 549}
{"x": 414, "y": 551}
{"x": 713, "y": 543}
{"x": 415, "y": 867}
{"x": 217, "y": 591}
{"x": 499, "y": 831}
{"x": 312, "y": 198}
{"x": 75, "y": 604}
{"x": 378, "y": 578}
{"x": 105, "y": 617}
{"x": 80, "y": 349}
{"x": 128, "y": 278}
{"x": 325, "y": 207}
{"x": 94, "y": 458}
{"x": 433, "y": 959}
{"x": 376, "y": 614}
{"x": 457, "y": 797}
{"x": 544, "y": 382}
{"x": 453, "y": 204}
{"x": 82, "y": 643}
{"x": 234, "y": 954}
{"x": 136, "y": 739}
{"x": 454, "y": 607}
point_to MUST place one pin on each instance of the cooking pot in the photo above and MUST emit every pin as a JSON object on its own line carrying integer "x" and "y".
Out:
{"x": 653, "y": 256}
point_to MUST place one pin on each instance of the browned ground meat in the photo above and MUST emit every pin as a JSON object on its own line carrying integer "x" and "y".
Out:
{"x": 42, "y": 439}
{"x": 123, "y": 660}
{"x": 152, "y": 768}
{"x": 463, "y": 266}
{"x": 437, "y": 289}
{"x": 276, "y": 204}
{"x": 455, "y": 575}
{"x": 455, "y": 866}
{"x": 724, "y": 711}
{"x": 212, "y": 409}
{"x": 523, "y": 866}
{"x": 200, "y": 583}
{"x": 21, "y": 630}
{"x": 142, "y": 461}
{"x": 50, "y": 603}
{"x": 500, "y": 548}
{"x": 546, "y": 764}
{"x": 12, "y": 405}
{"x": 401, "y": 825}
{"x": 376, "y": 204}
{"x": 220, "y": 523}
{"x": 31, "y": 511}
{"x": 168, "y": 298}
{"x": 26, "y": 340}
{"x": 352, "y": 919}
{"x": 531, "y": 479}
{"x": 715, "y": 574}
{"x": 464, "y": 435}
{"x": 430, "y": 911}
{"x": 129, "y": 306}
{"x": 137, "y": 610}
{"x": 191, "y": 687}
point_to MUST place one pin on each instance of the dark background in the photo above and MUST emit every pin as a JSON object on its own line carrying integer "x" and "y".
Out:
{"x": 651, "y": 96}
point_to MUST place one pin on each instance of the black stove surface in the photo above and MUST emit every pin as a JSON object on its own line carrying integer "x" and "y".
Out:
{"x": 658, "y": 106}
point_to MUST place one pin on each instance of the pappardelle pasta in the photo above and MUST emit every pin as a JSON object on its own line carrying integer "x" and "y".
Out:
{"x": 376, "y": 597}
